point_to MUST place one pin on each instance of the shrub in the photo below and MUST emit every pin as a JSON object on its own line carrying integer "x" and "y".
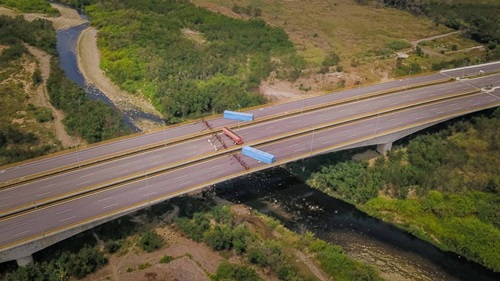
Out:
{"x": 112, "y": 247}
{"x": 150, "y": 241}
{"x": 228, "y": 271}
{"x": 166, "y": 259}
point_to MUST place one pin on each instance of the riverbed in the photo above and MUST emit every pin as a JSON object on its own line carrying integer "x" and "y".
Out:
{"x": 397, "y": 254}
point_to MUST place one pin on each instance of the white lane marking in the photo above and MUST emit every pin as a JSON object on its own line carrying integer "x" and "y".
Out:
{"x": 321, "y": 138}
{"x": 399, "y": 123}
{"x": 143, "y": 187}
{"x": 63, "y": 212}
{"x": 121, "y": 172}
{"x": 42, "y": 194}
{"x": 178, "y": 178}
{"x": 85, "y": 182}
{"x": 119, "y": 166}
{"x": 219, "y": 173}
{"x": 107, "y": 198}
{"x": 297, "y": 121}
{"x": 149, "y": 194}
{"x": 458, "y": 107}
{"x": 440, "y": 89}
{"x": 87, "y": 175}
{"x": 157, "y": 156}
{"x": 109, "y": 206}
{"x": 419, "y": 117}
{"x": 439, "y": 112}
{"x": 452, "y": 104}
{"x": 47, "y": 186}
{"x": 214, "y": 167}
{"x": 297, "y": 150}
{"x": 67, "y": 219}
{"x": 20, "y": 233}
{"x": 188, "y": 182}
{"x": 294, "y": 145}
{"x": 6, "y": 197}
{"x": 157, "y": 162}
{"x": 191, "y": 153}
{"x": 3, "y": 205}
{"x": 413, "y": 114}
{"x": 353, "y": 135}
{"x": 17, "y": 225}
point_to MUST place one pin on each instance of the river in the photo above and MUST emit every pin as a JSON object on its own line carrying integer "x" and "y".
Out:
{"x": 397, "y": 254}
{"x": 67, "y": 40}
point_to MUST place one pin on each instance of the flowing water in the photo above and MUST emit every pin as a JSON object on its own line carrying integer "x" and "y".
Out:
{"x": 67, "y": 40}
{"x": 397, "y": 254}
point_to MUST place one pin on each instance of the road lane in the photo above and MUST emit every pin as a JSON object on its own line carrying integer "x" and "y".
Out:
{"x": 41, "y": 222}
{"x": 24, "y": 195}
{"x": 101, "y": 150}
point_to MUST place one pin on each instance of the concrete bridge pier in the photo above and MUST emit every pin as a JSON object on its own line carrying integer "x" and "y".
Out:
{"x": 384, "y": 147}
{"x": 24, "y": 261}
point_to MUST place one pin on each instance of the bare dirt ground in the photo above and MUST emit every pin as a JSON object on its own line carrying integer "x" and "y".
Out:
{"x": 88, "y": 63}
{"x": 68, "y": 18}
{"x": 42, "y": 98}
{"x": 192, "y": 260}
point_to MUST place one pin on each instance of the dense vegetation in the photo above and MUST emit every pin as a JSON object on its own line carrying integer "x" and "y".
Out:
{"x": 479, "y": 19}
{"x": 443, "y": 186}
{"x": 38, "y": 33}
{"x": 66, "y": 265}
{"x": 31, "y": 6}
{"x": 187, "y": 60}
{"x": 93, "y": 120}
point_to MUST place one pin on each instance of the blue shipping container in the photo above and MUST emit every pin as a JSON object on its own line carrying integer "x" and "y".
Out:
{"x": 240, "y": 116}
{"x": 258, "y": 154}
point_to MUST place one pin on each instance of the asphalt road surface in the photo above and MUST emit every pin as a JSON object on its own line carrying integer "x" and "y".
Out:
{"x": 73, "y": 158}
{"x": 53, "y": 188}
{"x": 47, "y": 220}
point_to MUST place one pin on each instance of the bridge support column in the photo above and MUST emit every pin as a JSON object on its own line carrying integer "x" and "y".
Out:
{"x": 384, "y": 147}
{"x": 24, "y": 261}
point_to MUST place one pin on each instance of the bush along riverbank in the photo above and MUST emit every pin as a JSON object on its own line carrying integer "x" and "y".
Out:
{"x": 441, "y": 185}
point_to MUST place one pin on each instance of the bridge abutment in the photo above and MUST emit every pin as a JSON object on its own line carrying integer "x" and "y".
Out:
{"x": 384, "y": 147}
{"x": 24, "y": 261}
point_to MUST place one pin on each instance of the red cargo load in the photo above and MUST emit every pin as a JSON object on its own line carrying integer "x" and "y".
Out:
{"x": 232, "y": 135}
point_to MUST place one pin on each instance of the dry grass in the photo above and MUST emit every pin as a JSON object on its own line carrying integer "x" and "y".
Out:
{"x": 318, "y": 27}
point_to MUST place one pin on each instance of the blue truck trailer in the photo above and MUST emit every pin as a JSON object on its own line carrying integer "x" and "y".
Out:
{"x": 258, "y": 154}
{"x": 240, "y": 116}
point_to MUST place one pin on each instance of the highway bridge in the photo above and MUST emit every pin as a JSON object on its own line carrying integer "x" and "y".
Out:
{"x": 48, "y": 199}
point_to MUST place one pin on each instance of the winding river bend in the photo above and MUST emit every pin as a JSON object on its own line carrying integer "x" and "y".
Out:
{"x": 67, "y": 40}
{"x": 397, "y": 254}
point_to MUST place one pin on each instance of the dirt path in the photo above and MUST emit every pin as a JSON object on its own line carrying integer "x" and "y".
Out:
{"x": 88, "y": 63}
{"x": 68, "y": 18}
{"x": 43, "y": 98}
{"x": 415, "y": 43}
